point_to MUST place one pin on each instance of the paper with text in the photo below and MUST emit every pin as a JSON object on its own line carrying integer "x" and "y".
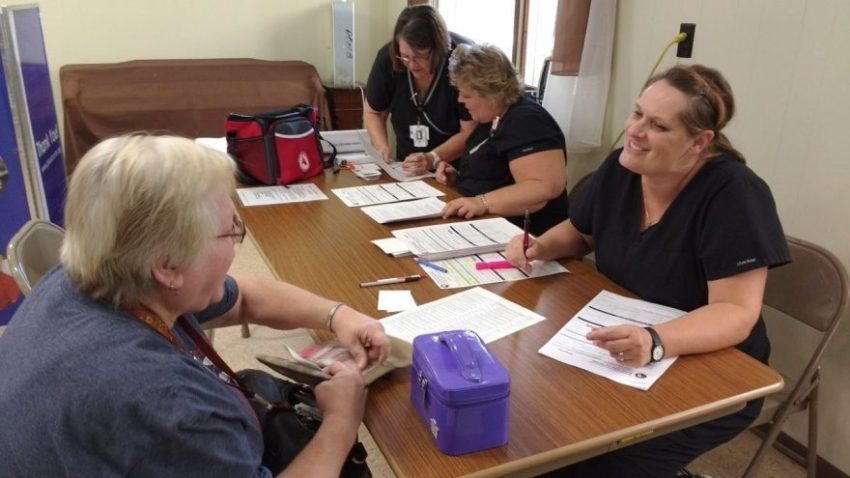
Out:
{"x": 479, "y": 310}
{"x": 372, "y": 194}
{"x": 571, "y": 346}
{"x": 267, "y": 195}
{"x": 461, "y": 272}
{"x": 405, "y": 211}
{"x": 444, "y": 241}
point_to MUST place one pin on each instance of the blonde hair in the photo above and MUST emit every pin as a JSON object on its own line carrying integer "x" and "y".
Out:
{"x": 486, "y": 70}
{"x": 136, "y": 198}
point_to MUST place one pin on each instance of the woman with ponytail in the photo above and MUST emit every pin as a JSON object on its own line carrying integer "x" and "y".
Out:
{"x": 676, "y": 217}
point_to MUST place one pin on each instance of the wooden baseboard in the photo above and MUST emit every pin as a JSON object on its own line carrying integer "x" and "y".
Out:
{"x": 797, "y": 452}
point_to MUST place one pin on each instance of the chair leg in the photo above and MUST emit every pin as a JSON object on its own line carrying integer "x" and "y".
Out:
{"x": 246, "y": 332}
{"x": 812, "y": 458}
{"x": 767, "y": 444}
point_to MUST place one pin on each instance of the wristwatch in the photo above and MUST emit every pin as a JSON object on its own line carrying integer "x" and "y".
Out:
{"x": 656, "y": 353}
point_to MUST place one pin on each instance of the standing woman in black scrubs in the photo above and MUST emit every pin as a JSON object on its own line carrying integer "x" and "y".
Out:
{"x": 409, "y": 84}
{"x": 515, "y": 159}
{"x": 676, "y": 217}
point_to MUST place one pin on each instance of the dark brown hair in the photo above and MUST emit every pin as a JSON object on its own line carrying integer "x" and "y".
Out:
{"x": 421, "y": 27}
{"x": 711, "y": 104}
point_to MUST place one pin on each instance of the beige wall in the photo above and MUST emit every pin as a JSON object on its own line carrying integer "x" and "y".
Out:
{"x": 786, "y": 60}
{"x": 788, "y": 64}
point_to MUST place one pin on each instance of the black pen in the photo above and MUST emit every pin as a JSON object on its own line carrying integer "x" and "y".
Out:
{"x": 391, "y": 280}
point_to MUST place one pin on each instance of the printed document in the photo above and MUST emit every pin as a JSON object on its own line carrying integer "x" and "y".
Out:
{"x": 570, "y": 346}
{"x": 267, "y": 195}
{"x": 479, "y": 310}
{"x": 357, "y": 148}
{"x": 444, "y": 241}
{"x": 461, "y": 272}
{"x": 384, "y": 193}
{"x": 405, "y": 211}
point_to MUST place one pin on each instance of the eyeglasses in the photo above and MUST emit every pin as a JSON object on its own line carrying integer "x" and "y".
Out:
{"x": 240, "y": 230}
{"x": 417, "y": 59}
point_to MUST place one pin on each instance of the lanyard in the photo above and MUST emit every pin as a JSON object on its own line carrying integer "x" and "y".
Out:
{"x": 152, "y": 320}
{"x": 414, "y": 96}
{"x": 493, "y": 127}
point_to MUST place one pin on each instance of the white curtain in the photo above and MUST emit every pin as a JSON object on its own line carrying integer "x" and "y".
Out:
{"x": 578, "y": 102}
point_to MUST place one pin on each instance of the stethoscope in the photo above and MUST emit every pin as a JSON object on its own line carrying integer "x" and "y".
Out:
{"x": 414, "y": 96}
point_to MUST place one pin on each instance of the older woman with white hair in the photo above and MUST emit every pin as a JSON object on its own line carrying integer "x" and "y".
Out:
{"x": 515, "y": 159}
{"x": 104, "y": 374}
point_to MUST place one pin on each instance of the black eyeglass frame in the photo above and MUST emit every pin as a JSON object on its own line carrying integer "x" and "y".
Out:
{"x": 239, "y": 235}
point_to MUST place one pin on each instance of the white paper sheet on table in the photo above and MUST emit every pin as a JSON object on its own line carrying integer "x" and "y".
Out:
{"x": 479, "y": 310}
{"x": 392, "y": 247}
{"x": 570, "y": 346}
{"x": 406, "y": 210}
{"x": 395, "y": 300}
{"x": 461, "y": 272}
{"x": 372, "y": 194}
{"x": 456, "y": 239}
{"x": 267, "y": 195}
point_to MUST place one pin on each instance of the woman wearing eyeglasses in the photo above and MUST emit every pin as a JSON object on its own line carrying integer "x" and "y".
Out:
{"x": 106, "y": 372}
{"x": 515, "y": 159}
{"x": 409, "y": 85}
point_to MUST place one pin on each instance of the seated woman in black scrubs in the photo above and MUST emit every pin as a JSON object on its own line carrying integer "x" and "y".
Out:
{"x": 409, "y": 84}
{"x": 515, "y": 160}
{"x": 676, "y": 217}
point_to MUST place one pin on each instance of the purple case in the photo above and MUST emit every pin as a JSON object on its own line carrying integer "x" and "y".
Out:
{"x": 460, "y": 391}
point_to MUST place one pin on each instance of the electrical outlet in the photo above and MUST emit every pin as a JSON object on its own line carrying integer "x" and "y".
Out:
{"x": 686, "y": 47}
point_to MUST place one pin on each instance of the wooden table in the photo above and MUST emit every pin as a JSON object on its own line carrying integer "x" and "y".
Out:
{"x": 559, "y": 414}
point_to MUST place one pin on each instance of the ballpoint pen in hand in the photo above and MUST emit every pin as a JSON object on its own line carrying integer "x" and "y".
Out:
{"x": 526, "y": 223}
{"x": 392, "y": 280}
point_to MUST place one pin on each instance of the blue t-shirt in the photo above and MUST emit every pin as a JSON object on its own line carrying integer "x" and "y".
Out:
{"x": 87, "y": 390}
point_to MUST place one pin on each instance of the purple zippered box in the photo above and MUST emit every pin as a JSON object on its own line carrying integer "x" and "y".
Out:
{"x": 460, "y": 391}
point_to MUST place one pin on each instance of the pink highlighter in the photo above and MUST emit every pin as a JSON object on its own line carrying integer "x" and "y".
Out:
{"x": 493, "y": 265}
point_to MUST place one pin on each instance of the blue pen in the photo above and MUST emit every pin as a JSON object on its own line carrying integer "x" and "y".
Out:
{"x": 431, "y": 265}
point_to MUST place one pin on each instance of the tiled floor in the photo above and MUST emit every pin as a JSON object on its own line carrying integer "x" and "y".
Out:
{"x": 729, "y": 460}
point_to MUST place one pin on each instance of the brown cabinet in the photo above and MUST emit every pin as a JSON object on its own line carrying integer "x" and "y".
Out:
{"x": 346, "y": 106}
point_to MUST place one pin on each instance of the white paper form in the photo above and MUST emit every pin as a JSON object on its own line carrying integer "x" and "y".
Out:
{"x": 392, "y": 247}
{"x": 570, "y": 346}
{"x": 461, "y": 272}
{"x": 444, "y": 241}
{"x": 394, "y": 168}
{"x": 267, "y": 195}
{"x": 395, "y": 300}
{"x": 356, "y": 196}
{"x": 405, "y": 211}
{"x": 480, "y": 310}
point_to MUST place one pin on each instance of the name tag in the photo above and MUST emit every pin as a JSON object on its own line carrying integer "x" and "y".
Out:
{"x": 420, "y": 135}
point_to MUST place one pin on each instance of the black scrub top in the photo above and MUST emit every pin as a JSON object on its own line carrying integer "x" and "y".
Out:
{"x": 723, "y": 223}
{"x": 526, "y": 128}
{"x": 391, "y": 90}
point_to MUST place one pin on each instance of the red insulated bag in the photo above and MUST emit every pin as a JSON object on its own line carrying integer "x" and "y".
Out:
{"x": 278, "y": 147}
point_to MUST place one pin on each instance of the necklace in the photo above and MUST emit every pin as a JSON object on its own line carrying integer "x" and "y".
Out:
{"x": 647, "y": 217}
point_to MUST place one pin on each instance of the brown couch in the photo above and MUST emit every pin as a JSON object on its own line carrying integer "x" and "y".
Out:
{"x": 186, "y": 97}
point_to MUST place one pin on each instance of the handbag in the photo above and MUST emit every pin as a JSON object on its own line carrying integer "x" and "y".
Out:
{"x": 278, "y": 147}
{"x": 287, "y": 411}
{"x": 289, "y": 418}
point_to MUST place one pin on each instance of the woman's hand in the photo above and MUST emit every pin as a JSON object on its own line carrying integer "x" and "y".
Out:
{"x": 385, "y": 154}
{"x": 363, "y": 335}
{"x": 343, "y": 396}
{"x": 516, "y": 255}
{"x": 416, "y": 164}
{"x": 446, "y": 174}
{"x": 627, "y": 344}
{"x": 464, "y": 207}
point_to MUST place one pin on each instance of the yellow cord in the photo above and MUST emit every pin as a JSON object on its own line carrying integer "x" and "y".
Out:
{"x": 679, "y": 38}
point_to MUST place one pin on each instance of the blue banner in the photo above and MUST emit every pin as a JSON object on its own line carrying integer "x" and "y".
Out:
{"x": 14, "y": 210}
{"x": 35, "y": 78}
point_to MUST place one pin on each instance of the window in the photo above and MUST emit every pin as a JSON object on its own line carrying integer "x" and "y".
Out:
{"x": 523, "y": 29}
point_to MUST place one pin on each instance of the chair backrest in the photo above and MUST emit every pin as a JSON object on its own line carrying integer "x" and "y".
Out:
{"x": 33, "y": 251}
{"x": 813, "y": 288}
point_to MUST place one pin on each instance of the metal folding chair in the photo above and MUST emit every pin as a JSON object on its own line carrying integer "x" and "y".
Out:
{"x": 33, "y": 251}
{"x": 813, "y": 289}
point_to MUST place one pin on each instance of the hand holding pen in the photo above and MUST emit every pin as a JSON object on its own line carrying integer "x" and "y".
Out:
{"x": 521, "y": 252}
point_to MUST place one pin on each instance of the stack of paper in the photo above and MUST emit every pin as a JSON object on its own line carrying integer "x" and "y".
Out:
{"x": 405, "y": 211}
{"x": 443, "y": 241}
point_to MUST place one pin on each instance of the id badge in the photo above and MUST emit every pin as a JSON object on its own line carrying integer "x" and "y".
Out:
{"x": 419, "y": 134}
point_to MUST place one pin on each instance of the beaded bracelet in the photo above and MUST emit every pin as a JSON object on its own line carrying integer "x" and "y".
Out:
{"x": 486, "y": 204}
{"x": 329, "y": 320}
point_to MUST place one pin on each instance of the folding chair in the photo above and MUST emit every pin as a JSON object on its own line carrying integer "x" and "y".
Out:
{"x": 813, "y": 289}
{"x": 33, "y": 251}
